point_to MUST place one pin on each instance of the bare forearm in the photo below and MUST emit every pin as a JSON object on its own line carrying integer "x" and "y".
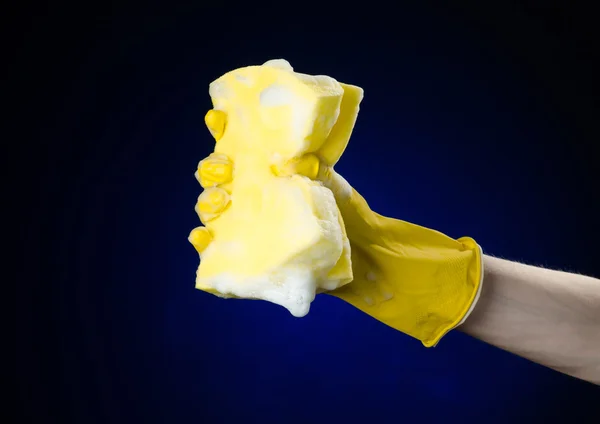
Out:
{"x": 549, "y": 317}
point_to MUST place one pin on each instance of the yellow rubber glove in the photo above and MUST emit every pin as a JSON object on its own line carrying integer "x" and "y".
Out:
{"x": 412, "y": 278}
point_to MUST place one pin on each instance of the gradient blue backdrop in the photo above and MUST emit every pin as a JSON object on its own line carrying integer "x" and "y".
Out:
{"x": 475, "y": 122}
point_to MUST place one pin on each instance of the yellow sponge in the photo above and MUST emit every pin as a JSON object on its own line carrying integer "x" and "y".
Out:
{"x": 269, "y": 235}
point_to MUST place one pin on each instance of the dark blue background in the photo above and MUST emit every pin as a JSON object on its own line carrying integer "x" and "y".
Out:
{"x": 476, "y": 121}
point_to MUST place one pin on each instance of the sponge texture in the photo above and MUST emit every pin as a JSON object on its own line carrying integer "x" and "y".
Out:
{"x": 274, "y": 237}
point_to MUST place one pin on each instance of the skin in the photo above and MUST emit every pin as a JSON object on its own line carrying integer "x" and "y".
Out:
{"x": 549, "y": 317}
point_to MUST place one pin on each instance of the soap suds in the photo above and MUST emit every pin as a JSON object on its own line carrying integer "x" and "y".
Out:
{"x": 293, "y": 283}
{"x": 279, "y": 64}
{"x": 280, "y": 239}
{"x": 387, "y": 295}
{"x": 219, "y": 90}
{"x": 330, "y": 284}
{"x": 294, "y": 290}
{"x": 276, "y": 95}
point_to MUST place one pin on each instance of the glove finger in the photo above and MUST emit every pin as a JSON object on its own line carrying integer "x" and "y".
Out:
{"x": 312, "y": 167}
{"x": 211, "y": 203}
{"x": 200, "y": 238}
{"x": 352, "y": 205}
{"x": 216, "y": 121}
{"x": 307, "y": 165}
{"x": 214, "y": 170}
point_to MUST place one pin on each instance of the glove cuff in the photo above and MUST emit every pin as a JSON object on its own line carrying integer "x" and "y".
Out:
{"x": 474, "y": 281}
{"x": 479, "y": 259}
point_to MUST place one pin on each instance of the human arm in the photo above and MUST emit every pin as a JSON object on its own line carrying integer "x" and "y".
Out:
{"x": 549, "y": 317}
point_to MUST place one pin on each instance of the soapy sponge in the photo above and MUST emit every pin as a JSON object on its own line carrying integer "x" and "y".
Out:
{"x": 270, "y": 235}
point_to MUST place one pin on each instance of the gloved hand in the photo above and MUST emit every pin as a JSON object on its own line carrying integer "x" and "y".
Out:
{"x": 412, "y": 278}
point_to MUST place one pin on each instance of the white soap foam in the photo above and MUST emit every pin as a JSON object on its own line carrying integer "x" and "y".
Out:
{"x": 293, "y": 288}
{"x": 219, "y": 90}
{"x": 321, "y": 83}
{"x": 387, "y": 295}
{"x": 276, "y": 95}
{"x": 279, "y": 64}
{"x": 294, "y": 284}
